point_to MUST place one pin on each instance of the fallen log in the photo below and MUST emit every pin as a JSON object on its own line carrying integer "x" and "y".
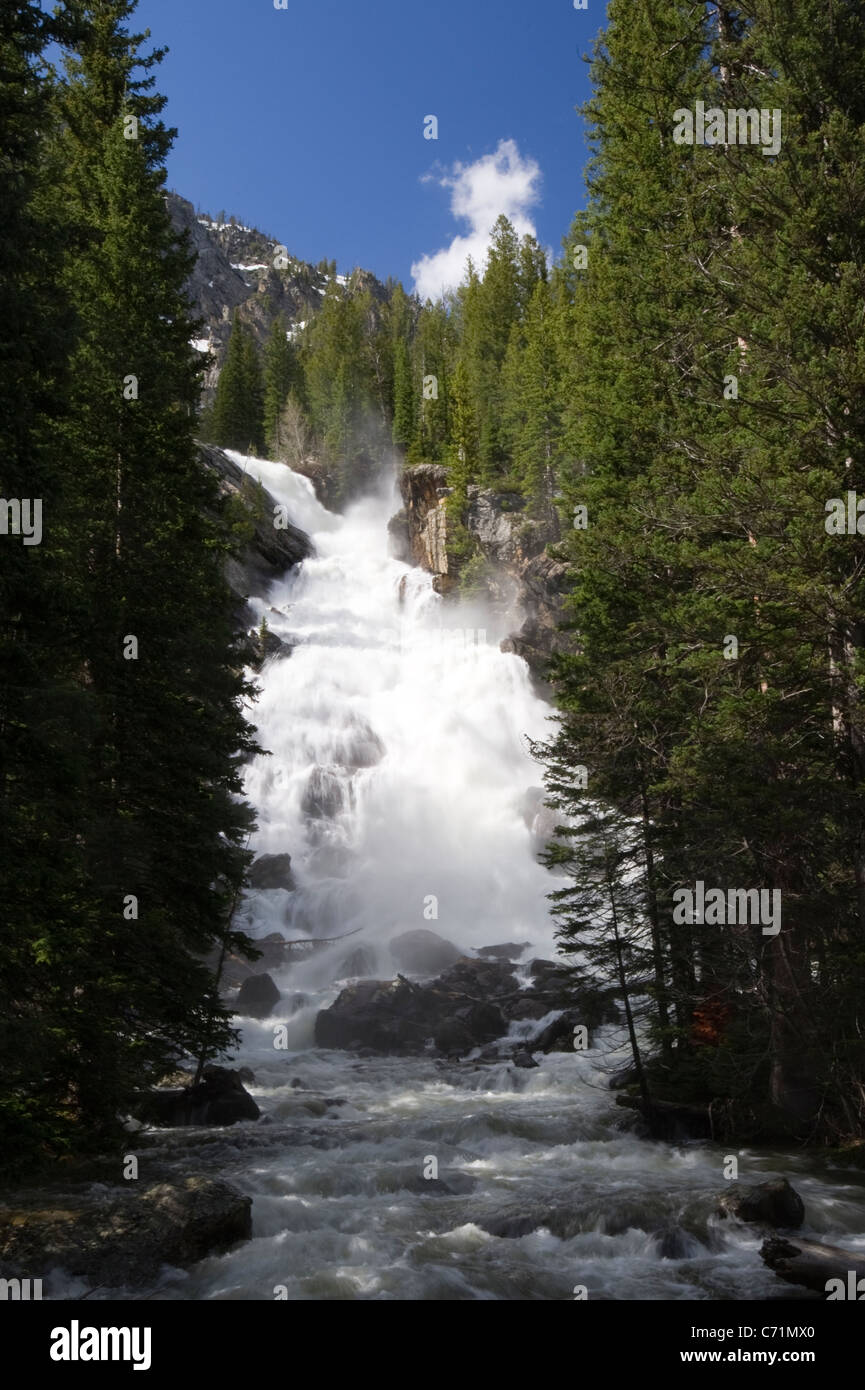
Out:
{"x": 815, "y": 1266}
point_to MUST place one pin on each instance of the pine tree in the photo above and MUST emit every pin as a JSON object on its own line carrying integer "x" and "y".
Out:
{"x": 160, "y": 836}
{"x": 279, "y": 377}
{"x": 44, "y": 719}
{"x": 238, "y": 408}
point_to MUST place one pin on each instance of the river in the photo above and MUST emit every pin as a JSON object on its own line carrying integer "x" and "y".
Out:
{"x": 399, "y": 779}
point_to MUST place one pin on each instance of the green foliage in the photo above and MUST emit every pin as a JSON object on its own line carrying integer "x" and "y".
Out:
{"x": 706, "y": 520}
{"x": 237, "y": 421}
{"x": 124, "y": 833}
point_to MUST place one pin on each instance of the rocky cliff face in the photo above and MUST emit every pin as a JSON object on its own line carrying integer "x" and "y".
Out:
{"x": 235, "y": 269}
{"x": 521, "y": 575}
{"x": 419, "y": 531}
{"x": 270, "y": 550}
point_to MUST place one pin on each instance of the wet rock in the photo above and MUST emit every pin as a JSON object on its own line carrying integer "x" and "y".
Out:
{"x": 558, "y": 1036}
{"x": 360, "y": 963}
{"x": 399, "y": 1016}
{"x": 507, "y": 951}
{"x": 377, "y": 1014}
{"x": 272, "y": 871}
{"x": 360, "y": 747}
{"x": 220, "y": 1098}
{"x": 453, "y": 1038}
{"x": 399, "y": 540}
{"x": 271, "y": 550}
{"x": 122, "y": 1236}
{"x": 482, "y": 979}
{"x": 258, "y": 997}
{"x": 324, "y": 796}
{"x": 773, "y": 1203}
{"x": 675, "y": 1244}
{"x": 524, "y": 1059}
{"x": 264, "y": 644}
{"x": 423, "y": 952}
{"x": 297, "y": 1001}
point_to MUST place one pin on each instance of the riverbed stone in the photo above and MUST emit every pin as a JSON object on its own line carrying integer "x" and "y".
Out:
{"x": 423, "y": 952}
{"x": 773, "y": 1203}
{"x": 258, "y": 997}
{"x": 124, "y": 1235}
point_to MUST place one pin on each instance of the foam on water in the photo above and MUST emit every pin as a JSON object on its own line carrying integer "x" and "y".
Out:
{"x": 398, "y": 772}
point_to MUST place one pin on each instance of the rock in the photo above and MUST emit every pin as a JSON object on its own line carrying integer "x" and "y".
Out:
{"x": 485, "y": 1021}
{"x": 246, "y": 1075}
{"x": 674, "y": 1243}
{"x": 773, "y": 1203}
{"x": 220, "y": 1098}
{"x": 359, "y": 746}
{"x": 258, "y": 997}
{"x": 324, "y": 796}
{"x": 558, "y": 1036}
{"x": 272, "y": 871}
{"x": 399, "y": 538}
{"x": 271, "y": 550}
{"x": 361, "y": 963}
{"x": 453, "y": 1038}
{"x": 397, "y": 1016}
{"x": 423, "y": 952}
{"x": 371, "y": 1013}
{"x": 124, "y": 1236}
{"x": 264, "y": 645}
{"x": 524, "y": 1059}
{"x": 480, "y": 978}
{"x": 508, "y": 951}
{"x": 424, "y": 490}
{"x": 297, "y": 1001}
{"x": 544, "y": 585}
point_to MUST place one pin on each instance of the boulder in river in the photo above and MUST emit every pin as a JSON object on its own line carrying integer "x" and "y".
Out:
{"x": 773, "y": 1203}
{"x": 258, "y": 997}
{"x": 397, "y": 1016}
{"x": 423, "y": 952}
{"x": 220, "y": 1098}
{"x": 272, "y": 871}
{"x": 507, "y": 951}
{"x": 122, "y": 1236}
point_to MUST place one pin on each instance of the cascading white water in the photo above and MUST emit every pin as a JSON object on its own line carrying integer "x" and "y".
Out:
{"x": 398, "y": 773}
{"x": 399, "y": 769}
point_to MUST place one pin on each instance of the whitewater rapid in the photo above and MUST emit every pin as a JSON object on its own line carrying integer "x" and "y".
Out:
{"x": 400, "y": 781}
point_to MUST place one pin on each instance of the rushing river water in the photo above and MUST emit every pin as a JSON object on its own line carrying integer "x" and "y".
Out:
{"x": 399, "y": 781}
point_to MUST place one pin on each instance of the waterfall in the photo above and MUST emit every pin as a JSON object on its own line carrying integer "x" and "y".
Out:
{"x": 398, "y": 775}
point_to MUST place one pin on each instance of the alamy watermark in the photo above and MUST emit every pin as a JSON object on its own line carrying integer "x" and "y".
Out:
{"x": 736, "y": 126}
{"x": 716, "y": 907}
{"x": 21, "y": 516}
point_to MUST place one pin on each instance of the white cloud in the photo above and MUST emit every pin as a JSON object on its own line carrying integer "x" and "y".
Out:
{"x": 503, "y": 182}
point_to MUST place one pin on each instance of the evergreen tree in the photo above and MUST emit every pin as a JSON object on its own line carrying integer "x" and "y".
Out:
{"x": 121, "y": 991}
{"x": 279, "y": 376}
{"x": 238, "y": 408}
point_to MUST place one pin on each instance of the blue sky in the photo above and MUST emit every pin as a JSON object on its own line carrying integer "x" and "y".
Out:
{"x": 309, "y": 122}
